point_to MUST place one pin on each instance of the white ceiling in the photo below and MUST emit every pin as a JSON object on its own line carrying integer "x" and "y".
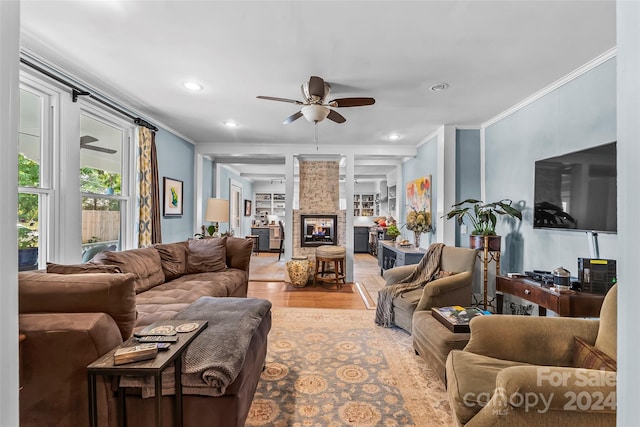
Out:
{"x": 493, "y": 54}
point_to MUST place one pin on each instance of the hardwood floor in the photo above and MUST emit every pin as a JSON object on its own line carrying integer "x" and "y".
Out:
{"x": 266, "y": 280}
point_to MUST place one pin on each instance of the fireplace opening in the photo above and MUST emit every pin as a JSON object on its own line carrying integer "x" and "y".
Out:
{"x": 318, "y": 230}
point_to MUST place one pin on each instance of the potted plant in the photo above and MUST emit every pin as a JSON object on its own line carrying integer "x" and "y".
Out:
{"x": 27, "y": 248}
{"x": 483, "y": 217}
{"x": 392, "y": 231}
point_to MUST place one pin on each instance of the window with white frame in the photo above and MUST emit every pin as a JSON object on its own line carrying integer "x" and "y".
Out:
{"x": 57, "y": 221}
{"x": 104, "y": 181}
{"x": 35, "y": 140}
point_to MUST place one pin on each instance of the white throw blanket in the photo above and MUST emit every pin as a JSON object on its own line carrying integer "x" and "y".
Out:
{"x": 215, "y": 357}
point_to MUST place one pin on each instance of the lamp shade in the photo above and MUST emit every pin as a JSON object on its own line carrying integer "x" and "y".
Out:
{"x": 217, "y": 210}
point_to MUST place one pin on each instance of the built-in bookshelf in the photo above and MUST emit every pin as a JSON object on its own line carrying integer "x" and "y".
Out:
{"x": 270, "y": 204}
{"x": 364, "y": 204}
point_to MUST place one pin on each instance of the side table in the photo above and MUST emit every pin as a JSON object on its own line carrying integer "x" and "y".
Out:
{"x": 154, "y": 367}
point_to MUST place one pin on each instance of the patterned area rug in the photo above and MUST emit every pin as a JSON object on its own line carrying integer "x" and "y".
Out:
{"x": 332, "y": 367}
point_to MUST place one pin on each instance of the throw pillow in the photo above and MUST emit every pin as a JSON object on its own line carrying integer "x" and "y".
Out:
{"x": 81, "y": 268}
{"x": 587, "y": 357}
{"x": 207, "y": 255}
{"x": 174, "y": 259}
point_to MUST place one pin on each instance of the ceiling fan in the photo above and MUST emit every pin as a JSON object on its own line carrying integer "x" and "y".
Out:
{"x": 315, "y": 109}
{"x": 88, "y": 139}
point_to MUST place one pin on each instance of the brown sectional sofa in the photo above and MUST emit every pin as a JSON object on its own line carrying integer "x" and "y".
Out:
{"x": 72, "y": 314}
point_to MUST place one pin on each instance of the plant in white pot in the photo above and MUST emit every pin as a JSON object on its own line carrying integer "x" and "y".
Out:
{"x": 483, "y": 217}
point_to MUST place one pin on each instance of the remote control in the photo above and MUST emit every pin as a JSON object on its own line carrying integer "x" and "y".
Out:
{"x": 158, "y": 338}
{"x": 163, "y": 346}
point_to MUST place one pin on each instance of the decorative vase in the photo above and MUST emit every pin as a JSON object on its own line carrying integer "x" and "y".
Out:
{"x": 416, "y": 239}
{"x": 299, "y": 270}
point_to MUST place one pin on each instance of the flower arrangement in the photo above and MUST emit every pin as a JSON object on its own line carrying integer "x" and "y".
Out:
{"x": 418, "y": 221}
{"x": 392, "y": 230}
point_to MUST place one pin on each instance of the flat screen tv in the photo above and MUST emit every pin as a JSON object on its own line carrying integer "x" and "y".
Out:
{"x": 577, "y": 191}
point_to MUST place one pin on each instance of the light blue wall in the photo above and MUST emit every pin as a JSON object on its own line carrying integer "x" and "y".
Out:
{"x": 247, "y": 194}
{"x": 175, "y": 160}
{"x": 425, "y": 163}
{"x": 467, "y": 174}
{"x": 579, "y": 114}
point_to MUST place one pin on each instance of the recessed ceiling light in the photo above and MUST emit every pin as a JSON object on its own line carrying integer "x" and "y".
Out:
{"x": 231, "y": 124}
{"x": 439, "y": 87}
{"x": 191, "y": 85}
{"x": 394, "y": 136}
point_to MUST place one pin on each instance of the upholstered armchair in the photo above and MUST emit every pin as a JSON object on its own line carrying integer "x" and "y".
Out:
{"x": 454, "y": 289}
{"x": 524, "y": 371}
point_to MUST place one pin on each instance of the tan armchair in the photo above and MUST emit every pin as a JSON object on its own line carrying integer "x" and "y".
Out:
{"x": 452, "y": 290}
{"x": 519, "y": 371}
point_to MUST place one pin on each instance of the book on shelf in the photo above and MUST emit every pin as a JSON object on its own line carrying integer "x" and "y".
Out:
{"x": 456, "y": 317}
{"x": 135, "y": 353}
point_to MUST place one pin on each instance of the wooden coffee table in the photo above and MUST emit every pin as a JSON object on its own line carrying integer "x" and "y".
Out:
{"x": 154, "y": 367}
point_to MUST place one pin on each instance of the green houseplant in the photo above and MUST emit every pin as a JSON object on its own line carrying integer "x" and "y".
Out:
{"x": 392, "y": 231}
{"x": 483, "y": 217}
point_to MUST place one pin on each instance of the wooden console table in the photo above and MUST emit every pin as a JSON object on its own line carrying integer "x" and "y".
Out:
{"x": 574, "y": 304}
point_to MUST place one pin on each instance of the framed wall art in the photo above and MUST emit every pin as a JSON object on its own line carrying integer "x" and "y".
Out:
{"x": 172, "y": 201}
{"x": 247, "y": 207}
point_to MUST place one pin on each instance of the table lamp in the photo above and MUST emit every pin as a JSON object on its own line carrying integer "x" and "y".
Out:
{"x": 217, "y": 211}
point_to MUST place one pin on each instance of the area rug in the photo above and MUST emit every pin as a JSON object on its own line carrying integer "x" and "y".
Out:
{"x": 333, "y": 367}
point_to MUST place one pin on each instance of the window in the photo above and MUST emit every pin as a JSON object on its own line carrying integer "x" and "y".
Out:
{"x": 103, "y": 165}
{"x": 34, "y": 188}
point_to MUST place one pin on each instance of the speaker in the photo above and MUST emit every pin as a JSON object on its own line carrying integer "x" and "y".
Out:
{"x": 596, "y": 275}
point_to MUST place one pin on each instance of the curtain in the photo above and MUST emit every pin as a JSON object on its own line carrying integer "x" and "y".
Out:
{"x": 149, "y": 222}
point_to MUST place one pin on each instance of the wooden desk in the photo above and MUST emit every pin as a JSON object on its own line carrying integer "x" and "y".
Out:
{"x": 574, "y": 304}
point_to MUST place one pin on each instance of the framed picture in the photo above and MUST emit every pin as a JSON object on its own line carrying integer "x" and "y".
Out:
{"x": 172, "y": 201}
{"x": 247, "y": 207}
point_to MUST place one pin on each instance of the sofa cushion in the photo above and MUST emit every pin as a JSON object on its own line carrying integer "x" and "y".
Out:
{"x": 174, "y": 259}
{"x": 112, "y": 294}
{"x": 166, "y": 300}
{"x": 207, "y": 255}
{"x": 471, "y": 381}
{"x": 81, "y": 268}
{"x": 587, "y": 357}
{"x": 144, "y": 263}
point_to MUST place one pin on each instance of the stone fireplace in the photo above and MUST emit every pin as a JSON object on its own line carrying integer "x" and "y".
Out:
{"x": 319, "y": 196}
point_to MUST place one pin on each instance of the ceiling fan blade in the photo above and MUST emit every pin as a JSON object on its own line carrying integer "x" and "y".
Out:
{"x": 336, "y": 117}
{"x": 292, "y": 117}
{"x": 352, "y": 102}
{"x": 316, "y": 87}
{"x": 87, "y": 139}
{"x": 100, "y": 149}
{"x": 271, "y": 98}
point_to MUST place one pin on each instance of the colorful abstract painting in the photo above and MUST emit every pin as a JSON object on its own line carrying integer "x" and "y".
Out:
{"x": 172, "y": 197}
{"x": 419, "y": 193}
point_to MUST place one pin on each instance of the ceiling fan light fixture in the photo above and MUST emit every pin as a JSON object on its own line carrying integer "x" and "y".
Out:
{"x": 315, "y": 113}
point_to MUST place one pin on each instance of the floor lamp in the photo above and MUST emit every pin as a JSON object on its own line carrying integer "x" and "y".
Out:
{"x": 217, "y": 211}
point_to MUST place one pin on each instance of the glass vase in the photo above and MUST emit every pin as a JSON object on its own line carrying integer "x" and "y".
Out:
{"x": 416, "y": 239}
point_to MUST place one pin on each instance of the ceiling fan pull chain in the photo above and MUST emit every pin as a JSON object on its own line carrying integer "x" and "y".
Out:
{"x": 315, "y": 139}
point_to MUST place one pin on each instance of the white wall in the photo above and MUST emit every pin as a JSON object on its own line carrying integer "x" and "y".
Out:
{"x": 9, "y": 45}
{"x": 628, "y": 106}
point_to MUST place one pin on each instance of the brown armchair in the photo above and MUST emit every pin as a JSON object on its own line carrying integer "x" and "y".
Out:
{"x": 523, "y": 371}
{"x": 451, "y": 290}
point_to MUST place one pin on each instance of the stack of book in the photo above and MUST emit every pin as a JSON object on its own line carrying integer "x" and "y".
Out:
{"x": 135, "y": 353}
{"x": 456, "y": 317}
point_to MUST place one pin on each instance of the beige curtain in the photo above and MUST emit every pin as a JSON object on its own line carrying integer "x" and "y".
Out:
{"x": 149, "y": 226}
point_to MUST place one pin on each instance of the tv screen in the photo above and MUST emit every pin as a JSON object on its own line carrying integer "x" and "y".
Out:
{"x": 577, "y": 191}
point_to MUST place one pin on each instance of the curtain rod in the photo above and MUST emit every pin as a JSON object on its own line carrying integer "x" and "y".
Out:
{"x": 77, "y": 91}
